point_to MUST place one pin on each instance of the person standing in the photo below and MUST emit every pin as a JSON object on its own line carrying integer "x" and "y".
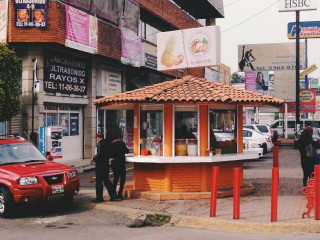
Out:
{"x": 307, "y": 162}
{"x": 102, "y": 169}
{"x": 118, "y": 164}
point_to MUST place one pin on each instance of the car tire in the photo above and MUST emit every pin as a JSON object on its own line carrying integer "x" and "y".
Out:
{"x": 6, "y": 202}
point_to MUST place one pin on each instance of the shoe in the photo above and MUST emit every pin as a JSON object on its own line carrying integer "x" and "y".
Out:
{"x": 120, "y": 197}
{"x": 112, "y": 199}
{"x": 97, "y": 200}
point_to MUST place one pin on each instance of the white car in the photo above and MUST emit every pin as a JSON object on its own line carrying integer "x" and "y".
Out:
{"x": 250, "y": 146}
{"x": 257, "y": 140}
{"x": 264, "y": 129}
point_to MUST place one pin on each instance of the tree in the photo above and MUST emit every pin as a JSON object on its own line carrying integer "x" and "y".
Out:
{"x": 10, "y": 89}
{"x": 237, "y": 78}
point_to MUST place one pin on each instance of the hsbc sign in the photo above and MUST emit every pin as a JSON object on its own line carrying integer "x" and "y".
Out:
{"x": 297, "y": 5}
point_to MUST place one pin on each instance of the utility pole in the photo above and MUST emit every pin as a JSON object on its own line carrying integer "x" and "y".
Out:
{"x": 297, "y": 71}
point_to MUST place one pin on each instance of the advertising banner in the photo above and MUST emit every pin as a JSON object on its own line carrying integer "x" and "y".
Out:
{"x": 195, "y": 47}
{"x": 131, "y": 15}
{"x": 307, "y": 102}
{"x": 65, "y": 74}
{"x": 269, "y": 57}
{"x": 31, "y": 13}
{"x": 81, "y": 30}
{"x": 306, "y": 30}
{"x": 212, "y": 73}
{"x": 84, "y": 4}
{"x": 285, "y": 85}
{"x": 257, "y": 82}
{"x": 225, "y": 76}
{"x": 3, "y": 20}
{"x": 109, "y": 9}
{"x": 131, "y": 49}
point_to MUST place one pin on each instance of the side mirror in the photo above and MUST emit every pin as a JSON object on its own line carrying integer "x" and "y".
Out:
{"x": 49, "y": 157}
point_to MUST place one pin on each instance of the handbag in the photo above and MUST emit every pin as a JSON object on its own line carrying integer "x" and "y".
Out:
{"x": 311, "y": 152}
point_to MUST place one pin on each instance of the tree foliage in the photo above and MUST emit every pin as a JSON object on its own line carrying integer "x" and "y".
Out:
{"x": 10, "y": 89}
{"x": 237, "y": 78}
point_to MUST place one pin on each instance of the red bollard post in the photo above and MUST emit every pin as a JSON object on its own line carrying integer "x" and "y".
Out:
{"x": 317, "y": 192}
{"x": 236, "y": 193}
{"x": 276, "y": 156}
{"x": 214, "y": 191}
{"x": 274, "y": 194}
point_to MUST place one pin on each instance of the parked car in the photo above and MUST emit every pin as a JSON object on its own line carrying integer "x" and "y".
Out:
{"x": 264, "y": 129}
{"x": 291, "y": 125}
{"x": 27, "y": 176}
{"x": 255, "y": 138}
{"x": 315, "y": 136}
{"x": 249, "y": 145}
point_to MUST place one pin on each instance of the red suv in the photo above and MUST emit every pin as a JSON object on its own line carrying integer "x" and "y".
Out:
{"x": 26, "y": 176}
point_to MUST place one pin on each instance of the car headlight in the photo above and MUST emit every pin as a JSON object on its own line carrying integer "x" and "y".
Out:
{"x": 28, "y": 180}
{"x": 72, "y": 174}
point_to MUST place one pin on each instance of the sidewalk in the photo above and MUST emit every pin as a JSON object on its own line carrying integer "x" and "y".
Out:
{"x": 255, "y": 211}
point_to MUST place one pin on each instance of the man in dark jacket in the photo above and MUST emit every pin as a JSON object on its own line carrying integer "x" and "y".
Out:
{"x": 118, "y": 164}
{"x": 102, "y": 169}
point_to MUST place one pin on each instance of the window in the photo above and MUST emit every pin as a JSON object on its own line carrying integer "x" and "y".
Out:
{"x": 263, "y": 128}
{"x": 222, "y": 131}
{"x": 151, "y": 131}
{"x": 63, "y": 116}
{"x": 186, "y": 131}
{"x": 247, "y": 133}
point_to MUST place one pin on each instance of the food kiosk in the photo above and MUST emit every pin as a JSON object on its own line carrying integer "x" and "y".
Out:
{"x": 184, "y": 127}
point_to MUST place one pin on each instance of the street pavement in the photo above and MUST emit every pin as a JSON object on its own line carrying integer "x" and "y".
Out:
{"x": 255, "y": 209}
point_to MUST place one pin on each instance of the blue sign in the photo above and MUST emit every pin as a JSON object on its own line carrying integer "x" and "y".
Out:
{"x": 42, "y": 139}
{"x": 306, "y": 30}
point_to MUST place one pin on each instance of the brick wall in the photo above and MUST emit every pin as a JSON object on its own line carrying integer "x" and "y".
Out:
{"x": 109, "y": 36}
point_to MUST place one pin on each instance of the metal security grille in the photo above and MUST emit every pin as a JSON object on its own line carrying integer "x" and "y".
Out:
{"x": 54, "y": 179}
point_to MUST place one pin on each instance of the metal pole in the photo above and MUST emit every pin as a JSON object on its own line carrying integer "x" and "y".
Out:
{"x": 32, "y": 115}
{"x": 297, "y": 71}
{"x": 306, "y": 80}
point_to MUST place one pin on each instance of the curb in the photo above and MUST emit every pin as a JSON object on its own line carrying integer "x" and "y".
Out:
{"x": 215, "y": 223}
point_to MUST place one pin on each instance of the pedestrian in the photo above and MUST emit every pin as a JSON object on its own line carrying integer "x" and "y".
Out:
{"x": 307, "y": 161}
{"x": 102, "y": 169}
{"x": 118, "y": 164}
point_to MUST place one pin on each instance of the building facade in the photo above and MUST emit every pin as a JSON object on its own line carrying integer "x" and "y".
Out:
{"x": 78, "y": 51}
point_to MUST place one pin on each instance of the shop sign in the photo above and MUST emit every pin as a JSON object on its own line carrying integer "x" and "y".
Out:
{"x": 149, "y": 55}
{"x": 269, "y": 57}
{"x": 297, "y": 5}
{"x": 306, "y": 30}
{"x": 285, "y": 85}
{"x": 195, "y": 47}
{"x": 31, "y": 13}
{"x": 81, "y": 30}
{"x": 3, "y": 20}
{"x": 308, "y": 70}
{"x": 110, "y": 83}
{"x": 65, "y": 74}
{"x": 307, "y": 102}
{"x": 225, "y": 76}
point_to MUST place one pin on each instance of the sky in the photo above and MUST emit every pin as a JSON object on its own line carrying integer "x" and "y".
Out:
{"x": 258, "y": 22}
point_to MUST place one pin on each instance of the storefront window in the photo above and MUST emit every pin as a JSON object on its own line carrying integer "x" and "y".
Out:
{"x": 151, "y": 131}
{"x": 186, "y": 132}
{"x": 223, "y": 131}
{"x": 63, "y": 116}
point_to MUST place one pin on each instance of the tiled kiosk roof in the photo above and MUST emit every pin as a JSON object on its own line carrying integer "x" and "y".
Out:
{"x": 190, "y": 90}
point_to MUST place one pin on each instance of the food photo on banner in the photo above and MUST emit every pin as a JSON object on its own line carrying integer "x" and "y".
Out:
{"x": 31, "y": 13}
{"x": 65, "y": 74}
